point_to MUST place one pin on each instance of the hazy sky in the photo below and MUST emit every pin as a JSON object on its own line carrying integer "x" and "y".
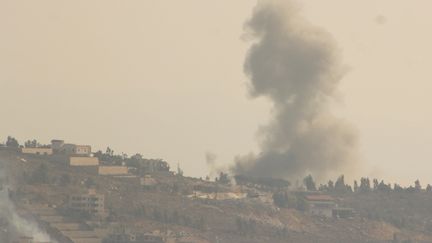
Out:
{"x": 165, "y": 78}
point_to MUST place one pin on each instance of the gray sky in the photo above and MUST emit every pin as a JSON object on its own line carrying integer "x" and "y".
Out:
{"x": 165, "y": 78}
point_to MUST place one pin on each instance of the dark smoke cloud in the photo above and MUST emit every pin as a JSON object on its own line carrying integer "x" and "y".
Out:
{"x": 297, "y": 67}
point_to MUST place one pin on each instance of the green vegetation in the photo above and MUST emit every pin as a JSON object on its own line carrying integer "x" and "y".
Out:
{"x": 12, "y": 142}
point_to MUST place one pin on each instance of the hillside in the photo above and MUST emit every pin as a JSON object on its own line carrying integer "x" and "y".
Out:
{"x": 182, "y": 209}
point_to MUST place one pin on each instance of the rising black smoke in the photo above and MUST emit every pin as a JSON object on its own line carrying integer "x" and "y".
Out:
{"x": 297, "y": 67}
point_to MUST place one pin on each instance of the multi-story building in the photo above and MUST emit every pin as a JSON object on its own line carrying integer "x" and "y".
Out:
{"x": 70, "y": 149}
{"x": 91, "y": 202}
{"x": 73, "y": 149}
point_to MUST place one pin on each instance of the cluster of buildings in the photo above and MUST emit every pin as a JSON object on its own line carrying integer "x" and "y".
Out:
{"x": 59, "y": 147}
{"x": 78, "y": 156}
{"x": 81, "y": 156}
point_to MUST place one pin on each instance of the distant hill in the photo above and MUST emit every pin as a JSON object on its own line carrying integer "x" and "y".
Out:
{"x": 177, "y": 207}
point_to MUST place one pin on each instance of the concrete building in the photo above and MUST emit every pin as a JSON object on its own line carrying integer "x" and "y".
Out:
{"x": 59, "y": 146}
{"x": 82, "y": 150}
{"x": 113, "y": 170}
{"x": 73, "y": 149}
{"x": 91, "y": 202}
{"x": 38, "y": 151}
{"x": 321, "y": 205}
{"x": 83, "y": 161}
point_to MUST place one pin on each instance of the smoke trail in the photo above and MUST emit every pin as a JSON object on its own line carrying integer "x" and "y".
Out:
{"x": 20, "y": 225}
{"x": 297, "y": 67}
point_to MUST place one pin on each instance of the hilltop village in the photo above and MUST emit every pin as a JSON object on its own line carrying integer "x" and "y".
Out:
{"x": 73, "y": 194}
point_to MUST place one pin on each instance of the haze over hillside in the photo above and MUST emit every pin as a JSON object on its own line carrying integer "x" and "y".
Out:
{"x": 165, "y": 78}
{"x": 66, "y": 192}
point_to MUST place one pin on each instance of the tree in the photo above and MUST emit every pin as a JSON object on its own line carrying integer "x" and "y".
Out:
{"x": 364, "y": 185}
{"x": 330, "y": 185}
{"x": 309, "y": 183}
{"x": 417, "y": 185}
{"x": 109, "y": 151}
{"x": 283, "y": 199}
{"x": 32, "y": 144}
{"x": 12, "y": 142}
{"x": 340, "y": 186}
{"x": 179, "y": 170}
{"x": 223, "y": 178}
{"x": 410, "y": 189}
{"x": 134, "y": 161}
{"x": 375, "y": 184}
{"x": 356, "y": 188}
{"x": 323, "y": 188}
{"x": 397, "y": 188}
{"x": 382, "y": 187}
{"x": 429, "y": 188}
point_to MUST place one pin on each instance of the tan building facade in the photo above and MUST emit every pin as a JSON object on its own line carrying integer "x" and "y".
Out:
{"x": 91, "y": 202}
{"x": 73, "y": 149}
{"x": 83, "y": 161}
{"x": 38, "y": 151}
{"x": 113, "y": 170}
{"x": 82, "y": 150}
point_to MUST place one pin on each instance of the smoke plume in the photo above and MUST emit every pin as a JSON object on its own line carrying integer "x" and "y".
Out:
{"x": 297, "y": 67}
{"x": 18, "y": 225}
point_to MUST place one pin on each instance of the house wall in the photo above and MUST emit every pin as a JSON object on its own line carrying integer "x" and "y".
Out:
{"x": 83, "y": 161}
{"x": 326, "y": 212}
{"x": 73, "y": 149}
{"x": 319, "y": 208}
{"x": 113, "y": 170}
{"x": 82, "y": 149}
{"x": 41, "y": 151}
{"x": 91, "y": 203}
